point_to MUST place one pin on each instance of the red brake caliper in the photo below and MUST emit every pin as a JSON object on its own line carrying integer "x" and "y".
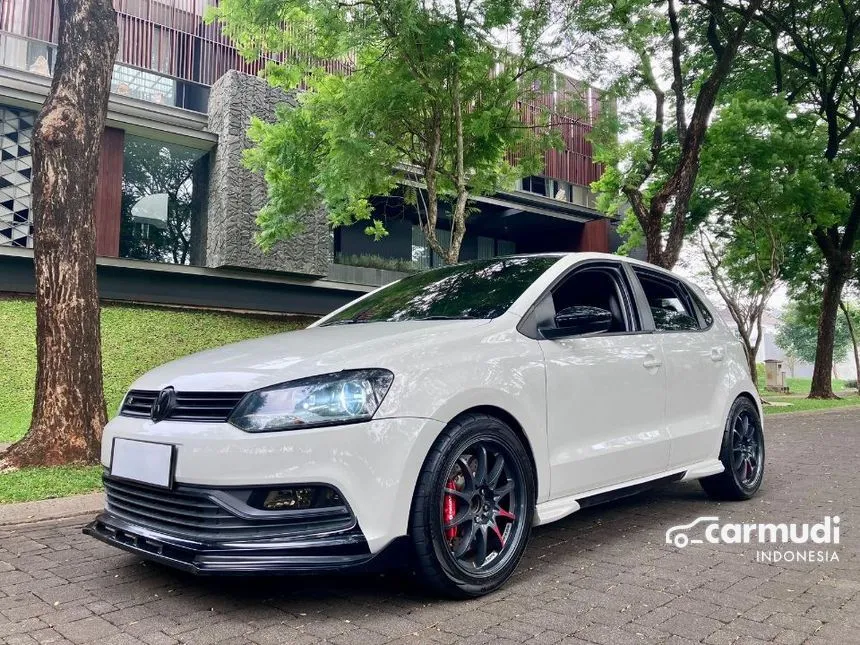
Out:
{"x": 449, "y": 510}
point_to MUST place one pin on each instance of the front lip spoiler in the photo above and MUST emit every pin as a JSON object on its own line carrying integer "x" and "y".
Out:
{"x": 333, "y": 553}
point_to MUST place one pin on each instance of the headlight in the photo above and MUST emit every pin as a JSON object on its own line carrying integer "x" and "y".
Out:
{"x": 349, "y": 396}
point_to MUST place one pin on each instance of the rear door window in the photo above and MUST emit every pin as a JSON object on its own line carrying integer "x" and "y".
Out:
{"x": 671, "y": 307}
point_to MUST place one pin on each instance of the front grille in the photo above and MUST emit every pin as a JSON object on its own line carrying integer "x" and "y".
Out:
{"x": 193, "y": 514}
{"x": 190, "y": 406}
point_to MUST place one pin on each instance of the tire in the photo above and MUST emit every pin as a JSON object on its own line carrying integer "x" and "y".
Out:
{"x": 468, "y": 450}
{"x": 742, "y": 454}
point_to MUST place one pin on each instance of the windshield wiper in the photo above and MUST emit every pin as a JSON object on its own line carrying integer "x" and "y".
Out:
{"x": 356, "y": 321}
{"x": 446, "y": 318}
{"x": 349, "y": 321}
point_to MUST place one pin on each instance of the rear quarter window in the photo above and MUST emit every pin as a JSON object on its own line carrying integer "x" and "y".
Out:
{"x": 704, "y": 312}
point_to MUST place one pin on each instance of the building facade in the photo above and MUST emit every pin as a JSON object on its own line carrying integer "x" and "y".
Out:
{"x": 175, "y": 208}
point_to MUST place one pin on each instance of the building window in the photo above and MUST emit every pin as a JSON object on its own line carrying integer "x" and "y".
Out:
{"x": 162, "y": 201}
{"x": 27, "y": 55}
{"x": 506, "y": 247}
{"x": 444, "y": 238}
{"x": 146, "y": 86}
{"x": 16, "y": 167}
{"x": 486, "y": 248}
{"x": 420, "y": 249}
{"x": 534, "y": 184}
{"x": 161, "y": 48}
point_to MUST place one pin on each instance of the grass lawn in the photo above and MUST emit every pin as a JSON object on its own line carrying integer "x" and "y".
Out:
{"x": 44, "y": 483}
{"x": 134, "y": 340}
{"x": 802, "y": 404}
{"x": 798, "y": 391}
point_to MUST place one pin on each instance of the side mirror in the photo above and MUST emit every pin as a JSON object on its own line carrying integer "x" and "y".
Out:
{"x": 579, "y": 320}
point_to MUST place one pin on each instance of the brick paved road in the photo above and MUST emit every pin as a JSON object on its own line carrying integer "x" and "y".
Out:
{"x": 599, "y": 576}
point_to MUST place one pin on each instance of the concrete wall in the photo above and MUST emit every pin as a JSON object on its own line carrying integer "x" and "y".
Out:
{"x": 236, "y": 194}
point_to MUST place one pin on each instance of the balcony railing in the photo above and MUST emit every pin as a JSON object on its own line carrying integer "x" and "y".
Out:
{"x": 169, "y": 55}
{"x": 39, "y": 57}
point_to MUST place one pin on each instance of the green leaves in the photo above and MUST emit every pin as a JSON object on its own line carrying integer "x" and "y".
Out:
{"x": 797, "y": 334}
{"x": 414, "y": 68}
{"x": 762, "y": 172}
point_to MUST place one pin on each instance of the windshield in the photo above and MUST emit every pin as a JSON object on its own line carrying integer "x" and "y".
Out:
{"x": 480, "y": 289}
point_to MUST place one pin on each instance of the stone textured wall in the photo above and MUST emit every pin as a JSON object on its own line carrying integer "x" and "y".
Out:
{"x": 236, "y": 194}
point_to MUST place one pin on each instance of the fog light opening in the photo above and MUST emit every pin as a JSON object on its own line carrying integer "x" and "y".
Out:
{"x": 301, "y": 498}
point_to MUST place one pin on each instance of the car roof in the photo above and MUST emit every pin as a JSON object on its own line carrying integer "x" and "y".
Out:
{"x": 576, "y": 256}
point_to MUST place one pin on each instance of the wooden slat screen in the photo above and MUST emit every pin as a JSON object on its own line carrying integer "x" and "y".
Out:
{"x": 169, "y": 37}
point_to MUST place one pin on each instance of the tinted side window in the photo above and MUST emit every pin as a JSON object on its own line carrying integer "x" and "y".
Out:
{"x": 669, "y": 305}
{"x": 595, "y": 287}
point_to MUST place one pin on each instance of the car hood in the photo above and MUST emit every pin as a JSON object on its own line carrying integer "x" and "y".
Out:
{"x": 252, "y": 364}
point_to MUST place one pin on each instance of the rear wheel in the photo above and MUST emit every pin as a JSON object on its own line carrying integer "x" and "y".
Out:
{"x": 742, "y": 454}
{"x": 473, "y": 507}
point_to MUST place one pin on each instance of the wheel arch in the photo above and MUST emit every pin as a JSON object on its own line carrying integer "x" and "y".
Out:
{"x": 503, "y": 415}
{"x": 755, "y": 399}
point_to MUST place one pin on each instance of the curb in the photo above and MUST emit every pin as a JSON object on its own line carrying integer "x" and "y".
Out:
{"x": 51, "y": 509}
{"x": 806, "y": 413}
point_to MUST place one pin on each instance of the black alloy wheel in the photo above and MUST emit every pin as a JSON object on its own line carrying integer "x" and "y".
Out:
{"x": 483, "y": 497}
{"x": 473, "y": 507}
{"x": 747, "y": 448}
{"x": 742, "y": 454}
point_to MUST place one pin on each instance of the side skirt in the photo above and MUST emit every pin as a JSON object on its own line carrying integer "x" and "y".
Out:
{"x": 556, "y": 509}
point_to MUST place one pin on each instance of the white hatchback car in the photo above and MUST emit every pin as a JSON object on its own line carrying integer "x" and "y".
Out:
{"x": 448, "y": 412}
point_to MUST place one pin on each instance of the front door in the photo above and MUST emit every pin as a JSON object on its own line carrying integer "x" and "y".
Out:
{"x": 605, "y": 393}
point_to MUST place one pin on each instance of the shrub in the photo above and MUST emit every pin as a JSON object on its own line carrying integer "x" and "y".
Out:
{"x": 378, "y": 262}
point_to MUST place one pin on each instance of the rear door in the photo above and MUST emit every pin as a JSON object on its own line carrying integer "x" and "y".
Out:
{"x": 606, "y": 392}
{"x": 695, "y": 366}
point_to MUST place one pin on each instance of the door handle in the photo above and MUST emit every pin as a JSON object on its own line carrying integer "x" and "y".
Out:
{"x": 651, "y": 362}
{"x": 717, "y": 354}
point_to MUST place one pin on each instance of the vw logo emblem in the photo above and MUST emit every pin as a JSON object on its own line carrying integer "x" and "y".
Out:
{"x": 163, "y": 404}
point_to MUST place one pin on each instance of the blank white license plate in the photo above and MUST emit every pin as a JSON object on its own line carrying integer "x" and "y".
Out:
{"x": 143, "y": 461}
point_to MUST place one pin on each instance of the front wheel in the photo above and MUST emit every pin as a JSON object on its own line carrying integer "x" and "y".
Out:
{"x": 742, "y": 454}
{"x": 473, "y": 507}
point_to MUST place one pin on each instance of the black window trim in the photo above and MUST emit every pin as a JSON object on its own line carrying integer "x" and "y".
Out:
{"x": 700, "y": 303}
{"x": 528, "y": 323}
{"x": 683, "y": 290}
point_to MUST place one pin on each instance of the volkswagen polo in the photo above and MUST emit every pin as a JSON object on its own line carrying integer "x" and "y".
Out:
{"x": 447, "y": 413}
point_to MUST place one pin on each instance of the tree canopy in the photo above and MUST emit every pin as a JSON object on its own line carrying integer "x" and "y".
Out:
{"x": 432, "y": 107}
{"x": 808, "y": 53}
{"x": 652, "y": 149}
{"x": 797, "y": 334}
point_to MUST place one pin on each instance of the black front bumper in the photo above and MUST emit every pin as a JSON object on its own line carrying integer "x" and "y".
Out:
{"x": 310, "y": 554}
{"x": 212, "y": 532}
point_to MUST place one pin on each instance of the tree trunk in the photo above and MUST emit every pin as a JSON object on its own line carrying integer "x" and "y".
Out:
{"x": 751, "y": 352}
{"x": 458, "y": 217}
{"x": 822, "y": 380}
{"x": 852, "y": 332}
{"x": 678, "y": 188}
{"x": 69, "y": 410}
